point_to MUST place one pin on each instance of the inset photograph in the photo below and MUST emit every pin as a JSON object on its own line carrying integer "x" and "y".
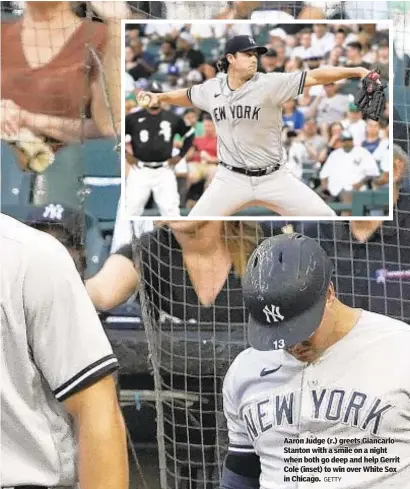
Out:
{"x": 256, "y": 120}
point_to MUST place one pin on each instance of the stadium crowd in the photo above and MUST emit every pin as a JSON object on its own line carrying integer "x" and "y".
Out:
{"x": 321, "y": 126}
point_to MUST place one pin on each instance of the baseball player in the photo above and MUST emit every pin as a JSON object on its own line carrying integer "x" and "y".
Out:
{"x": 61, "y": 423}
{"x": 318, "y": 374}
{"x": 246, "y": 109}
{"x": 152, "y": 131}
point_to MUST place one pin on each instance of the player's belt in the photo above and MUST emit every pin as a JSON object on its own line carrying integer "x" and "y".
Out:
{"x": 251, "y": 173}
{"x": 153, "y": 164}
{"x": 24, "y": 487}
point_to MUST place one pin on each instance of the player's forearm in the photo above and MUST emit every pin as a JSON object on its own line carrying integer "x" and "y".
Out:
{"x": 101, "y": 438}
{"x": 62, "y": 129}
{"x": 323, "y": 76}
{"x": 176, "y": 97}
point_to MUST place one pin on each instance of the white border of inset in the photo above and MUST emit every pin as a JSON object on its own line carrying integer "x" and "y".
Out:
{"x": 122, "y": 207}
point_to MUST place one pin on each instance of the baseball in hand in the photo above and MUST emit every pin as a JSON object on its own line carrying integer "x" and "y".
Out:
{"x": 144, "y": 100}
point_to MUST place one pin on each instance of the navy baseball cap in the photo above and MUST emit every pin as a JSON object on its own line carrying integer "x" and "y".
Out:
{"x": 56, "y": 214}
{"x": 285, "y": 289}
{"x": 242, "y": 44}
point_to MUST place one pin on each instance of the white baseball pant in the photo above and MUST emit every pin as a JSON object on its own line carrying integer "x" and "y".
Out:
{"x": 281, "y": 191}
{"x": 163, "y": 184}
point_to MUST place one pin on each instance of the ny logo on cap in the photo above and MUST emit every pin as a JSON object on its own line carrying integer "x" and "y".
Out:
{"x": 251, "y": 40}
{"x": 54, "y": 211}
{"x": 273, "y": 314}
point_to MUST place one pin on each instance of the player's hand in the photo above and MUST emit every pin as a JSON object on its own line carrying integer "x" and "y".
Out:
{"x": 174, "y": 161}
{"x": 147, "y": 99}
{"x": 362, "y": 72}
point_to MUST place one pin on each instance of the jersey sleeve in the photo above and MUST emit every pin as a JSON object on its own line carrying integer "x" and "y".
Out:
{"x": 284, "y": 86}
{"x": 200, "y": 95}
{"x": 67, "y": 341}
{"x": 239, "y": 441}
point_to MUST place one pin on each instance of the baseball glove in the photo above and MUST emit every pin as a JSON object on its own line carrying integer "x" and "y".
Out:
{"x": 370, "y": 98}
{"x": 33, "y": 153}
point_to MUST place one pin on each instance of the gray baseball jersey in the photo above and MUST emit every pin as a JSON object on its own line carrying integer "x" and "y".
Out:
{"x": 356, "y": 396}
{"x": 248, "y": 120}
{"x": 53, "y": 345}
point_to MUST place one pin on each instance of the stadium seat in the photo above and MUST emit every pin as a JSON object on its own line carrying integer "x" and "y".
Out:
{"x": 261, "y": 34}
{"x": 15, "y": 184}
{"x": 363, "y": 202}
{"x": 210, "y": 48}
{"x": 101, "y": 200}
{"x": 159, "y": 77}
{"x": 99, "y": 158}
{"x": 96, "y": 248}
{"x": 61, "y": 182}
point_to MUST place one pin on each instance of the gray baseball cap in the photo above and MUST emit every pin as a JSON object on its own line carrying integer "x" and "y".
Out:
{"x": 285, "y": 289}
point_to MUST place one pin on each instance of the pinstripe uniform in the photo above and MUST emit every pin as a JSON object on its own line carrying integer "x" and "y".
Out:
{"x": 53, "y": 346}
{"x": 275, "y": 403}
{"x": 248, "y": 125}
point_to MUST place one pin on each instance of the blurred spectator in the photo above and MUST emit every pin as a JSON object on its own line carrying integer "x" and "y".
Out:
{"x": 382, "y": 62}
{"x": 373, "y": 138}
{"x": 354, "y": 55}
{"x": 204, "y": 148}
{"x": 333, "y": 106}
{"x": 340, "y": 38}
{"x": 269, "y": 61}
{"x": 281, "y": 57}
{"x": 174, "y": 81}
{"x": 305, "y": 50}
{"x": 137, "y": 62}
{"x": 334, "y": 132}
{"x": 167, "y": 55}
{"x": 277, "y": 35}
{"x": 355, "y": 124}
{"x": 334, "y": 57}
{"x": 348, "y": 168}
{"x": 291, "y": 116}
{"x": 293, "y": 64}
{"x": 322, "y": 40}
{"x": 191, "y": 120}
{"x": 188, "y": 58}
{"x": 202, "y": 159}
{"x": 296, "y": 153}
{"x": 307, "y": 103}
{"x": 313, "y": 142}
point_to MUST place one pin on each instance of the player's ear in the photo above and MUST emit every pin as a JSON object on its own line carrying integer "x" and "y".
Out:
{"x": 331, "y": 295}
